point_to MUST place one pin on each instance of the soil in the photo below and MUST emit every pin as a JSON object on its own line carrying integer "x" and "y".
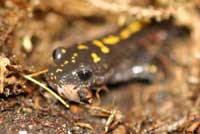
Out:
{"x": 29, "y": 32}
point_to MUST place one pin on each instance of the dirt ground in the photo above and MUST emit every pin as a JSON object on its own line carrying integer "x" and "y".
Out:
{"x": 31, "y": 29}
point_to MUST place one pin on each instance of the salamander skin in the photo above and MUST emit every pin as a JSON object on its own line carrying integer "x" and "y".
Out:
{"x": 119, "y": 57}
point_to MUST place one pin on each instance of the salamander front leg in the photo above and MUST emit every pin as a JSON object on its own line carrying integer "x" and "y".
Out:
{"x": 98, "y": 90}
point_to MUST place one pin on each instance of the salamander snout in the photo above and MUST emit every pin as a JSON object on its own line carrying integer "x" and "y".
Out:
{"x": 76, "y": 94}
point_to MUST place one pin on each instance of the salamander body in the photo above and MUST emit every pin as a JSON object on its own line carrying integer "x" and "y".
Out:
{"x": 126, "y": 54}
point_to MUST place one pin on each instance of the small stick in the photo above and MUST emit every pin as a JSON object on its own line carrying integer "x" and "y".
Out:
{"x": 84, "y": 125}
{"x": 47, "y": 89}
{"x": 38, "y": 73}
{"x": 110, "y": 120}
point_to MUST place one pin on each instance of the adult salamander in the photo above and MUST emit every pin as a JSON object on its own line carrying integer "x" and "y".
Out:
{"x": 127, "y": 54}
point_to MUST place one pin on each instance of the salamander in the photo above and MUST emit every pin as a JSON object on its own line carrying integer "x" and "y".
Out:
{"x": 126, "y": 54}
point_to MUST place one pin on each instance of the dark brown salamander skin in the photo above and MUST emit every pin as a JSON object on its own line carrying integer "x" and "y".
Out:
{"x": 127, "y": 54}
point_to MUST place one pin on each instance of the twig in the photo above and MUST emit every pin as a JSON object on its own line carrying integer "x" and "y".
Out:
{"x": 47, "y": 89}
{"x": 84, "y": 125}
{"x": 38, "y": 73}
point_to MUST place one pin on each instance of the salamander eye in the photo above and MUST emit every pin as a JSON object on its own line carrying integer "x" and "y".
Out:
{"x": 84, "y": 74}
{"x": 58, "y": 54}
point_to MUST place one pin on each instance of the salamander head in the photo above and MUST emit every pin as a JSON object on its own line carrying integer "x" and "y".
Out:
{"x": 72, "y": 80}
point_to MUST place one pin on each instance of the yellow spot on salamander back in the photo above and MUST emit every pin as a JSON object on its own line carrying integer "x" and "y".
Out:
{"x": 125, "y": 33}
{"x": 153, "y": 69}
{"x": 131, "y": 28}
{"x": 63, "y": 50}
{"x": 73, "y": 60}
{"x": 66, "y": 62}
{"x": 82, "y": 47}
{"x": 75, "y": 54}
{"x": 74, "y": 57}
{"x": 58, "y": 70}
{"x": 104, "y": 49}
{"x": 111, "y": 40}
{"x": 95, "y": 57}
{"x": 135, "y": 26}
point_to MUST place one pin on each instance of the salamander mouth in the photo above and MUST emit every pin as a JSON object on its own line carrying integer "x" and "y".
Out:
{"x": 75, "y": 93}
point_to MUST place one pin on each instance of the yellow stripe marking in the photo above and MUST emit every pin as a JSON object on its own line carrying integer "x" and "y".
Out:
{"x": 58, "y": 70}
{"x": 82, "y": 47}
{"x": 95, "y": 57}
{"x": 103, "y": 48}
{"x": 111, "y": 40}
